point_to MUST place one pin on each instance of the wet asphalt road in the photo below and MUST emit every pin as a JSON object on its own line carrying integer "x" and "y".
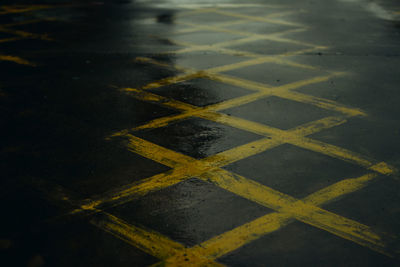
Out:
{"x": 200, "y": 133}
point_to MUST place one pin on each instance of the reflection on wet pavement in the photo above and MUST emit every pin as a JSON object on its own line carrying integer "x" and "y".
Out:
{"x": 197, "y": 133}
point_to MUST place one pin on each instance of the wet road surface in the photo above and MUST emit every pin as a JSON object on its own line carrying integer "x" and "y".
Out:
{"x": 200, "y": 133}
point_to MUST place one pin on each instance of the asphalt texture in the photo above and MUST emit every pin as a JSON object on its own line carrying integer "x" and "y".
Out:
{"x": 200, "y": 133}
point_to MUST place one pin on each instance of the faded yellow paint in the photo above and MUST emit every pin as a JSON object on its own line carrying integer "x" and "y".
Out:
{"x": 272, "y": 37}
{"x": 25, "y": 22}
{"x": 221, "y": 24}
{"x": 168, "y": 102}
{"x": 25, "y": 34}
{"x": 259, "y": 19}
{"x": 346, "y": 186}
{"x": 321, "y": 103}
{"x": 216, "y": 7}
{"x": 383, "y": 168}
{"x": 10, "y": 9}
{"x": 173, "y": 80}
{"x": 258, "y": 61}
{"x": 149, "y": 241}
{"x": 340, "y": 153}
{"x": 281, "y": 14}
{"x": 193, "y": 12}
{"x": 21, "y": 35}
{"x": 17, "y": 60}
{"x": 152, "y": 242}
{"x": 196, "y": 28}
{"x": 11, "y": 39}
{"x": 220, "y": 45}
{"x": 22, "y": 8}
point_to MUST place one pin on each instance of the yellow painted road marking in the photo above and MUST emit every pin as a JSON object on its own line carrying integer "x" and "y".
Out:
{"x": 244, "y": 234}
{"x": 11, "y": 39}
{"x": 280, "y": 14}
{"x": 197, "y": 9}
{"x": 175, "y": 79}
{"x": 174, "y": 254}
{"x": 260, "y": 194}
{"x": 254, "y": 62}
{"x": 175, "y": 160}
{"x": 10, "y": 9}
{"x": 370, "y": 240}
{"x": 229, "y": 241}
{"x": 264, "y": 91}
{"x": 196, "y": 47}
{"x": 25, "y": 22}
{"x": 233, "y": 6}
{"x": 17, "y": 60}
{"x": 272, "y": 37}
{"x": 25, "y": 34}
{"x": 209, "y": 169}
{"x": 284, "y": 91}
{"x": 21, "y": 35}
{"x": 22, "y": 8}
{"x": 236, "y": 21}
{"x": 221, "y": 24}
{"x": 257, "y": 58}
{"x": 302, "y": 211}
{"x": 151, "y": 242}
{"x": 186, "y": 167}
{"x": 193, "y": 12}
{"x": 258, "y": 19}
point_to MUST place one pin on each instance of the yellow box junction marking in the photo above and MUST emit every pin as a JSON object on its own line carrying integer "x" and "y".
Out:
{"x": 175, "y": 254}
{"x": 287, "y": 208}
{"x": 22, "y": 35}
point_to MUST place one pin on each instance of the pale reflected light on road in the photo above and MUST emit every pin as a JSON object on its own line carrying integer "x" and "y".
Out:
{"x": 375, "y": 8}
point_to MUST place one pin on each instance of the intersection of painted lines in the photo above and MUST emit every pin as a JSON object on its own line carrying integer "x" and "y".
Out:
{"x": 209, "y": 169}
{"x": 174, "y": 254}
{"x": 17, "y": 35}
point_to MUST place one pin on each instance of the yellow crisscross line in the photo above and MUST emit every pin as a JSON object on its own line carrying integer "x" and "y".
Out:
{"x": 287, "y": 208}
{"x": 21, "y": 35}
{"x": 209, "y": 170}
{"x": 10, "y": 9}
{"x": 174, "y": 254}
